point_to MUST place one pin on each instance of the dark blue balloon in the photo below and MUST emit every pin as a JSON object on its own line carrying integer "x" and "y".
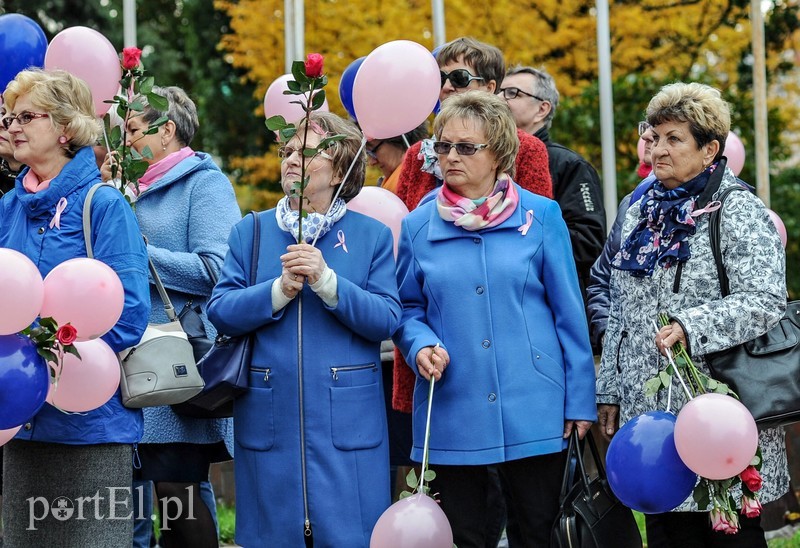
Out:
{"x": 346, "y": 86}
{"x": 24, "y": 380}
{"x": 643, "y": 466}
{"x": 22, "y": 45}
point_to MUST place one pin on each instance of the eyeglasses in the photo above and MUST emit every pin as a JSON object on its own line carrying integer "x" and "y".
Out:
{"x": 459, "y": 78}
{"x": 511, "y": 93}
{"x": 462, "y": 149}
{"x": 23, "y": 118}
{"x": 374, "y": 152}
{"x": 643, "y": 126}
{"x": 286, "y": 152}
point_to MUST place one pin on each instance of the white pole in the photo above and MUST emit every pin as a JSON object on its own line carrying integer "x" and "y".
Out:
{"x": 129, "y": 23}
{"x": 288, "y": 35}
{"x": 606, "y": 113}
{"x": 760, "y": 102}
{"x": 299, "y": 30}
{"x": 437, "y": 14}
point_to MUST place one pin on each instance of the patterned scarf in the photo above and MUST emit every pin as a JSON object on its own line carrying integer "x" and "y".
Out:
{"x": 665, "y": 223}
{"x": 315, "y": 225}
{"x": 484, "y": 212}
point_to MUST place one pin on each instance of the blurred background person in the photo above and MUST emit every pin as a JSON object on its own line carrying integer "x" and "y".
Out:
{"x": 9, "y": 166}
{"x": 387, "y": 154}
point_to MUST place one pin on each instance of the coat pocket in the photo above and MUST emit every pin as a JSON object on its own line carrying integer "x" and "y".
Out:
{"x": 358, "y": 419}
{"x": 253, "y": 414}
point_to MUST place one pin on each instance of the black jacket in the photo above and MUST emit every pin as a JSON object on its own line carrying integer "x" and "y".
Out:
{"x": 7, "y": 178}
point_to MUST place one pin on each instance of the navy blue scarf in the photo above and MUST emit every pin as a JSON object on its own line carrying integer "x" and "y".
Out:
{"x": 665, "y": 223}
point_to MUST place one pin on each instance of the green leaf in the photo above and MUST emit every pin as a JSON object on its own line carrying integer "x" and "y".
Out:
{"x": 287, "y": 133}
{"x": 276, "y": 123}
{"x": 70, "y": 349}
{"x": 411, "y": 479}
{"x": 310, "y": 152}
{"x": 147, "y": 153}
{"x": 701, "y": 495}
{"x": 136, "y": 105}
{"x": 146, "y": 85}
{"x": 328, "y": 141}
{"x": 652, "y": 386}
{"x": 48, "y": 355}
{"x": 299, "y": 73}
{"x": 317, "y": 99}
{"x": 429, "y": 475}
{"x": 293, "y": 86}
{"x": 157, "y": 101}
{"x": 666, "y": 379}
{"x": 405, "y": 494}
{"x": 711, "y": 384}
{"x": 116, "y": 134}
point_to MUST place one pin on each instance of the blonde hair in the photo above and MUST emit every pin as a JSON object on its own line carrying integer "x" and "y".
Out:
{"x": 708, "y": 114}
{"x": 66, "y": 99}
{"x": 493, "y": 114}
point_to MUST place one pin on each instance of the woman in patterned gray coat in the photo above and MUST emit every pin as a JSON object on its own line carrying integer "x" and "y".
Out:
{"x": 665, "y": 265}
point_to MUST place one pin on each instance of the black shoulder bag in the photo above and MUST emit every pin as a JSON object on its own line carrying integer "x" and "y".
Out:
{"x": 764, "y": 372}
{"x": 590, "y": 515}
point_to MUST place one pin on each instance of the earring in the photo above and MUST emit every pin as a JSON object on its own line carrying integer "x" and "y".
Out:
{"x": 62, "y": 140}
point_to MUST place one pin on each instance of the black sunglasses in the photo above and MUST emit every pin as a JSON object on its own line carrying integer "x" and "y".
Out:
{"x": 459, "y": 78}
{"x": 511, "y": 93}
{"x": 463, "y": 149}
{"x": 373, "y": 152}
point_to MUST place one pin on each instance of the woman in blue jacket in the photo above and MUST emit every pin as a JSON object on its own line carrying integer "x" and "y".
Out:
{"x": 312, "y": 454}
{"x": 80, "y": 462}
{"x": 492, "y": 309}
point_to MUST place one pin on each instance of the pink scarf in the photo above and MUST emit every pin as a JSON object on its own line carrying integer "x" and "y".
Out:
{"x": 481, "y": 213}
{"x": 157, "y": 170}
{"x": 32, "y": 183}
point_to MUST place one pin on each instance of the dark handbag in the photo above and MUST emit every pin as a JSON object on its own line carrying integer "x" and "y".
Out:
{"x": 191, "y": 319}
{"x": 764, "y": 372}
{"x": 590, "y": 515}
{"x": 226, "y": 366}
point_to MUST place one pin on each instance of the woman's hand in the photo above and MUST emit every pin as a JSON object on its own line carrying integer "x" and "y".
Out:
{"x": 431, "y": 361}
{"x": 582, "y": 426}
{"x": 608, "y": 417}
{"x": 669, "y": 335}
{"x": 105, "y": 169}
{"x": 305, "y": 261}
{"x": 291, "y": 284}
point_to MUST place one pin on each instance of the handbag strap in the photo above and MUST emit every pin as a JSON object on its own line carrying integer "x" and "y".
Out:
{"x": 256, "y": 247}
{"x": 209, "y": 266}
{"x": 87, "y": 218}
{"x": 714, "y": 229}
{"x": 575, "y": 469}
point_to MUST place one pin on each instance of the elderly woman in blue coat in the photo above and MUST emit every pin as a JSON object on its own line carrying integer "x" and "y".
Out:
{"x": 492, "y": 310}
{"x": 311, "y": 439}
{"x": 72, "y": 456}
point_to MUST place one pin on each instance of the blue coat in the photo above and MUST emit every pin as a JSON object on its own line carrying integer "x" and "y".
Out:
{"x": 508, "y": 310}
{"x": 187, "y": 213}
{"x": 25, "y": 226}
{"x": 341, "y": 400}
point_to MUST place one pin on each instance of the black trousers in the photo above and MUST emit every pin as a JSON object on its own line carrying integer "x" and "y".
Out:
{"x": 693, "y": 530}
{"x": 534, "y": 484}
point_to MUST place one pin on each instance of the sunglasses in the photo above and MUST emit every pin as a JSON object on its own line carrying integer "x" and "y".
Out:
{"x": 286, "y": 152}
{"x": 459, "y": 78}
{"x": 462, "y": 149}
{"x": 23, "y": 118}
{"x": 511, "y": 93}
{"x": 373, "y": 153}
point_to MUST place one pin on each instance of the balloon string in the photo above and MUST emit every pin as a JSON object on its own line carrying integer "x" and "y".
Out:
{"x": 668, "y": 352}
{"x": 105, "y": 137}
{"x": 427, "y": 430}
{"x": 356, "y": 158}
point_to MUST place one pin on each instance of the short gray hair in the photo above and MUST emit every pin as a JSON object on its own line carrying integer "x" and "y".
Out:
{"x": 181, "y": 110}
{"x": 544, "y": 87}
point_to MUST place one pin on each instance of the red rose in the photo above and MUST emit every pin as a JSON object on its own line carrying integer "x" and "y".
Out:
{"x": 66, "y": 334}
{"x": 751, "y": 478}
{"x": 314, "y": 63}
{"x": 131, "y": 57}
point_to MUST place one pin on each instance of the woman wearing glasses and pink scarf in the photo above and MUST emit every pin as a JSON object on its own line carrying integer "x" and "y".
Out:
{"x": 492, "y": 310}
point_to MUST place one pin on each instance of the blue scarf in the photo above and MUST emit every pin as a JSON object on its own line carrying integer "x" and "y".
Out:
{"x": 665, "y": 224}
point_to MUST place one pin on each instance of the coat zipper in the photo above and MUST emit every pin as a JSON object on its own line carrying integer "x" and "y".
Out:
{"x": 265, "y": 370}
{"x": 307, "y": 532}
{"x": 336, "y": 370}
{"x": 619, "y": 349}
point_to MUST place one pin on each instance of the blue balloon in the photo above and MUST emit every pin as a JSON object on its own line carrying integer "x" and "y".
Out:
{"x": 24, "y": 381}
{"x": 643, "y": 466}
{"x": 22, "y": 45}
{"x": 346, "y": 86}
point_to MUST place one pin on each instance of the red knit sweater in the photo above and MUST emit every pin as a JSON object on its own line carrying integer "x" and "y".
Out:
{"x": 533, "y": 174}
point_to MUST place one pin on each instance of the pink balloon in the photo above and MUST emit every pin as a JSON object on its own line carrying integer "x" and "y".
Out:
{"x": 278, "y": 104}
{"x": 734, "y": 151}
{"x": 716, "y": 436}
{"x": 383, "y": 205}
{"x": 89, "y": 382}
{"x": 7, "y": 435}
{"x": 22, "y": 291}
{"x": 395, "y": 89}
{"x": 88, "y": 55}
{"x": 413, "y": 522}
{"x": 779, "y": 226}
{"x": 86, "y": 293}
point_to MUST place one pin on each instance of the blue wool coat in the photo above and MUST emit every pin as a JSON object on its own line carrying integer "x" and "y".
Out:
{"x": 507, "y": 308}
{"x": 25, "y": 227}
{"x": 187, "y": 213}
{"x": 340, "y": 400}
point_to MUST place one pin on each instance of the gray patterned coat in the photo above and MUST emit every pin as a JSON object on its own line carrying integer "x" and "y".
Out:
{"x": 755, "y": 263}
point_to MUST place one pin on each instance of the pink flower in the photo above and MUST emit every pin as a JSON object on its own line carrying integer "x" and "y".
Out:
{"x": 751, "y": 478}
{"x": 751, "y": 507}
{"x": 131, "y": 57}
{"x": 314, "y": 63}
{"x": 726, "y": 522}
{"x": 66, "y": 334}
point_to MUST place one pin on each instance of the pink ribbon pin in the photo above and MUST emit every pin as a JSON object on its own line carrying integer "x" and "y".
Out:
{"x": 711, "y": 206}
{"x": 528, "y": 222}
{"x": 340, "y": 235}
{"x": 60, "y": 207}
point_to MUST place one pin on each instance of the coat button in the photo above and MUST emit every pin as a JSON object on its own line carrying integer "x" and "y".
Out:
{"x": 704, "y": 339}
{"x": 479, "y": 290}
{"x": 28, "y": 426}
{"x": 486, "y": 343}
{"x": 492, "y": 396}
{"x": 41, "y": 230}
{"x": 476, "y": 240}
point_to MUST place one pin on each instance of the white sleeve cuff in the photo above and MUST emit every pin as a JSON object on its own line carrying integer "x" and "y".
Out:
{"x": 279, "y": 300}
{"x": 326, "y": 288}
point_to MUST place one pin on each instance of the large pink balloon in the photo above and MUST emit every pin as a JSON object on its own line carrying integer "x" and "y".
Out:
{"x": 734, "y": 151}
{"x": 89, "y": 382}
{"x": 21, "y": 291}
{"x": 716, "y": 436}
{"x": 383, "y": 205}
{"x": 413, "y": 522}
{"x": 86, "y": 293}
{"x": 278, "y": 104}
{"x": 395, "y": 89}
{"x": 7, "y": 435}
{"x": 779, "y": 226}
{"x": 87, "y": 54}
